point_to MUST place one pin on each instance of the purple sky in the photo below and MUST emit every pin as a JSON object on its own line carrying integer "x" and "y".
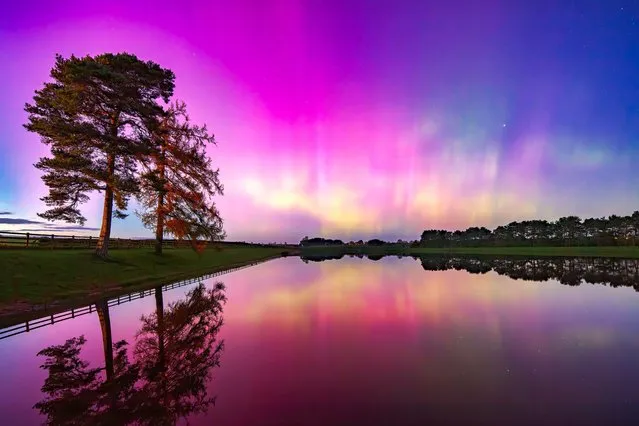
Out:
{"x": 355, "y": 119}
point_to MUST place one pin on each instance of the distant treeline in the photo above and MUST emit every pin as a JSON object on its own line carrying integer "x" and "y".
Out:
{"x": 566, "y": 231}
{"x": 320, "y": 242}
{"x": 317, "y": 241}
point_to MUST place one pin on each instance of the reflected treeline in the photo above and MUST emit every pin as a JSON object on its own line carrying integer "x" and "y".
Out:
{"x": 566, "y": 270}
{"x": 321, "y": 257}
{"x": 172, "y": 362}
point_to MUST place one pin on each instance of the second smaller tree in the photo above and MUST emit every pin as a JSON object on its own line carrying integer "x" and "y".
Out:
{"x": 179, "y": 182}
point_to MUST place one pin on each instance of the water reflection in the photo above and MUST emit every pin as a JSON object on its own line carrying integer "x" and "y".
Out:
{"x": 353, "y": 341}
{"x": 566, "y": 270}
{"x": 174, "y": 354}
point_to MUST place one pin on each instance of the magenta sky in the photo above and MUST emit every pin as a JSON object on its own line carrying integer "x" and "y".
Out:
{"x": 354, "y": 119}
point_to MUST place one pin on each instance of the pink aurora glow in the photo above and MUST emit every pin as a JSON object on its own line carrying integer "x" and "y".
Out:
{"x": 313, "y": 140}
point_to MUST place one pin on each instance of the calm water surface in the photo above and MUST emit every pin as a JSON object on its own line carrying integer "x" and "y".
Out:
{"x": 349, "y": 341}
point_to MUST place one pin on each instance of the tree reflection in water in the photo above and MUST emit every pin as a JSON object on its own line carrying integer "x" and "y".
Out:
{"x": 567, "y": 270}
{"x": 176, "y": 350}
{"x": 173, "y": 357}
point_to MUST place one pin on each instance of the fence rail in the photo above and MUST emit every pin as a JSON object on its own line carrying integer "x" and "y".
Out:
{"x": 51, "y": 319}
{"x": 29, "y": 240}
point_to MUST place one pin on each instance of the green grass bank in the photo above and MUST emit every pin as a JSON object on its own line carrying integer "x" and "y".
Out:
{"x": 62, "y": 278}
{"x": 32, "y": 277}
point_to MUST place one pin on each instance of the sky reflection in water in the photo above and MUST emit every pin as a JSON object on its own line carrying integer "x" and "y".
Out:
{"x": 380, "y": 342}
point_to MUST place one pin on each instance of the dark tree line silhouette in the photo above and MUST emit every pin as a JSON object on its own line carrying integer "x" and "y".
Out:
{"x": 573, "y": 271}
{"x": 318, "y": 241}
{"x": 174, "y": 354}
{"x": 566, "y": 231}
{"x": 567, "y": 270}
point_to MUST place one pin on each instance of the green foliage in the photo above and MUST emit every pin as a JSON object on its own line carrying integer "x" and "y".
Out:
{"x": 92, "y": 115}
{"x": 318, "y": 241}
{"x": 375, "y": 242}
{"x": 179, "y": 182}
{"x": 566, "y": 231}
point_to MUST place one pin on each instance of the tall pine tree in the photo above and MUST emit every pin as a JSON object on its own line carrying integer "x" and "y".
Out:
{"x": 178, "y": 187}
{"x": 92, "y": 115}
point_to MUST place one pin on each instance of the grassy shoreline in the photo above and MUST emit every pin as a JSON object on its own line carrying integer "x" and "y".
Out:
{"x": 61, "y": 279}
{"x": 65, "y": 278}
{"x": 628, "y": 252}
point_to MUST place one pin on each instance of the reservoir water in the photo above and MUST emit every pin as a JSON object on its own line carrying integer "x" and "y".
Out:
{"x": 387, "y": 341}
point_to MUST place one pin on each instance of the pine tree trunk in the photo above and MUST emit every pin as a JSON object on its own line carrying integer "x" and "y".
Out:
{"x": 102, "y": 247}
{"x": 159, "y": 226}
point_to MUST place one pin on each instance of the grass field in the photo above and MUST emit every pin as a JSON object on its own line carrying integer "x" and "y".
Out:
{"x": 617, "y": 251}
{"x": 29, "y": 277}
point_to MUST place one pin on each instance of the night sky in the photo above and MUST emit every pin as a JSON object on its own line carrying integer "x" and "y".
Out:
{"x": 354, "y": 119}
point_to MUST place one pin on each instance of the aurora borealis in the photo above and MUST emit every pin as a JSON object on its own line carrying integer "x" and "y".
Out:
{"x": 353, "y": 119}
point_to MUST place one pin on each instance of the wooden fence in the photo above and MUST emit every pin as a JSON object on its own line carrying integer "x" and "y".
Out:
{"x": 50, "y": 319}
{"x": 29, "y": 240}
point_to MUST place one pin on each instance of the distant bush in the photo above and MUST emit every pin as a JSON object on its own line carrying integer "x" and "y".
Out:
{"x": 320, "y": 242}
{"x": 376, "y": 242}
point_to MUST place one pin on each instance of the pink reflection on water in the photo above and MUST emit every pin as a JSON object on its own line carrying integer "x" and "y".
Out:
{"x": 356, "y": 340}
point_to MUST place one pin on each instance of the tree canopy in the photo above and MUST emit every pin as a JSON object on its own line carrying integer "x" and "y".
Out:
{"x": 318, "y": 241}
{"x": 569, "y": 230}
{"x": 92, "y": 115}
{"x": 180, "y": 182}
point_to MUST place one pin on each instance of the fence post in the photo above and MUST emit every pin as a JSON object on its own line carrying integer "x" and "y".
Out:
{"x": 90, "y": 241}
{"x": 52, "y": 236}
{"x": 27, "y": 240}
{"x": 72, "y": 241}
